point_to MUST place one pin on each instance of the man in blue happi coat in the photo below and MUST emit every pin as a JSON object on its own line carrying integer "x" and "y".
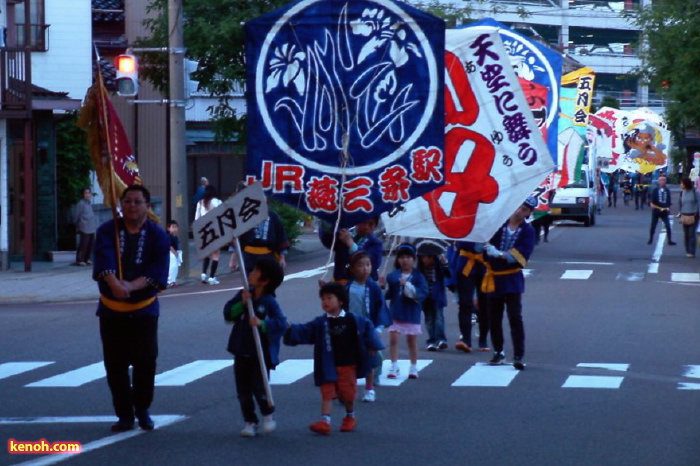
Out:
{"x": 129, "y": 280}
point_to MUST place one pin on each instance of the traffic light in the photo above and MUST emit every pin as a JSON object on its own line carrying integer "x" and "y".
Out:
{"x": 127, "y": 75}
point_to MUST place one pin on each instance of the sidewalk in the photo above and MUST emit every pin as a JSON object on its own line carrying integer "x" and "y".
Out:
{"x": 63, "y": 281}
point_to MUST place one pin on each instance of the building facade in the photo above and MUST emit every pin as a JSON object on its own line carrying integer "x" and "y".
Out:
{"x": 45, "y": 70}
{"x": 596, "y": 33}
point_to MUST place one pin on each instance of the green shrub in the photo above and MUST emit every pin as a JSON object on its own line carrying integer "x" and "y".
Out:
{"x": 290, "y": 217}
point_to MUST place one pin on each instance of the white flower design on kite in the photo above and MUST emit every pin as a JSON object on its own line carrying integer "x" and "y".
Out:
{"x": 286, "y": 66}
{"x": 379, "y": 29}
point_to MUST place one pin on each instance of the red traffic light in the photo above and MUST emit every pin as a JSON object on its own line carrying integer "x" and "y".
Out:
{"x": 126, "y": 63}
{"x": 127, "y": 75}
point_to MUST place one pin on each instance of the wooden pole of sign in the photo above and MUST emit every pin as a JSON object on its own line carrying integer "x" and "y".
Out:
{"x": 256, "y": 331}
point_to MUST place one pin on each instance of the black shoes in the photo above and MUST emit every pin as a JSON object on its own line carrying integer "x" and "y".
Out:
{"x": 498, "y": 359}
{"x": 649, "y": 242}
{"x": 145, "y": 421}
{"x": 518, "y": 364}
{"x": 122, "y": 425}
{"x": 671, "y": 243}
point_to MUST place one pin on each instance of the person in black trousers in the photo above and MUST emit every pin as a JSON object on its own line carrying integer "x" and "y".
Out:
{"x": 660, "y": 202}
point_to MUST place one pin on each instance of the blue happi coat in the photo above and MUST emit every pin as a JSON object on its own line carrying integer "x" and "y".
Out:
{"x": 517, "y": 248}
{"x": 403, "y": 308}
{"x": 378, "y": 313}
{"x": 150, "y": 260}
{"x": 317, "y": 333}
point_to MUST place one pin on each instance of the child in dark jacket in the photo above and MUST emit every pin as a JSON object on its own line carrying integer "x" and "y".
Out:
{"x": 264, "y": 279}
{"x": 435, "y": 270}
{"x": 343, "y": 345}
{"x": 366, "y": 299}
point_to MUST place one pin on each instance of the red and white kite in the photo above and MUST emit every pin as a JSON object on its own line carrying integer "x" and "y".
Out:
{"x": 494, "y": 152}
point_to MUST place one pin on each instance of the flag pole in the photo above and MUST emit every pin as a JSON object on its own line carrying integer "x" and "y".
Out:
{"x": 102, "y": 108}
{"x": 256, "y": 331}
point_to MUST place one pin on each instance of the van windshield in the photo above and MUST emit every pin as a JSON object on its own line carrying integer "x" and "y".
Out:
{"x": 581, "y": 183}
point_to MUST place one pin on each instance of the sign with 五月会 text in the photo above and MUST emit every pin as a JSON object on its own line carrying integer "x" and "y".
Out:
{"x": 232, "y": 218}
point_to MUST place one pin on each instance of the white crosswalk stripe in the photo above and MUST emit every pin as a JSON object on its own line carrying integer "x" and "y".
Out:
{"x": 630, "y": 276}
{"x": 293, "y": 370}
{"x": 483, "y": 375}
{"x": 183, "y": 375}
{"x": 596, "y": 381}
{"x": 685, "y": 277}
{"x": 577, "y": 275}
{"x": 9, "y": 369}
{"x": 75, "y": 378}
{"x": 593, "y": 381}
{"x": 403, "y": 371}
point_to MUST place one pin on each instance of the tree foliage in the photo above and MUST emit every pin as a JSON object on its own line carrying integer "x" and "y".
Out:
{"x": 213, "y": 35}
{"x": 672, "y": 58}
{"x": 73, "y": 168}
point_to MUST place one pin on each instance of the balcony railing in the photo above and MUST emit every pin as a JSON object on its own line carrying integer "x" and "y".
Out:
{"x": 15, "y": 83}
{"x": 39, "y": 36}
{"x": 628, "y": 99}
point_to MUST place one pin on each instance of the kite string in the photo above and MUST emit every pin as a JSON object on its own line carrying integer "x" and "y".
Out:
{"x": 343, "y": 165}
{"x": 394, "y": 242}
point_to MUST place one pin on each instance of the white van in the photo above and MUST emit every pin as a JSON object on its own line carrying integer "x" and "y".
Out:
{"x": 575, "y": 201}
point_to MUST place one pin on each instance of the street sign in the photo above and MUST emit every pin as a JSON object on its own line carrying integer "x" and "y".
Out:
{"x": 232, "y": 218}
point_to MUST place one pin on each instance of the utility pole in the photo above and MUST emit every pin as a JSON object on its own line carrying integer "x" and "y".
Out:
{"x": 178, "y": 158}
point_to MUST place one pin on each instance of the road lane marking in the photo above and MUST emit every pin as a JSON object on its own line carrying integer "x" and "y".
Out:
{"x": 306, "y": 273}
{"x": 484, "y": 375}
{"x": 593, "y": 381}
{"x": 195, "y": 370}
{"x": 630, "y": 276}
{"x": 692, "y": 371}
{"x": 607, "y": 366}
{"x": 9, "y": 369}
{"x": 302, "y": 274}
{"x": 161, "y": 421}
{"x": 587, "y": 263}
{"x": 685, "y": 277}
{"x": 577, "y": 275}
{"x": 658, "y": 249}
{"x": 291, "y": 370}
{"x": 75, "y": 378}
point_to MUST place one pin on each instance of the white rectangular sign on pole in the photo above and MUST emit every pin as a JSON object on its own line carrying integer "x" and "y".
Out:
{"x": 232, "y": 218}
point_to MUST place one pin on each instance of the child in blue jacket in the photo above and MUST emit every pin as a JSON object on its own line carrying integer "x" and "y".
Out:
{"x": 264, "y": 279}
{"x": 343, "y": 345}
{"x": 407, "y": 290}
{"x": 366, "y": 299}
{"x": 435, "y": 269}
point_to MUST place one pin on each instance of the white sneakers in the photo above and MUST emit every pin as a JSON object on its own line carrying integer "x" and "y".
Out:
{"x": 249, "y": 430}
{"x": 369, "y": 397}
{"x": 393, "y": 372}
{"x": 204, "y": 277}
{"x": 269, "y": 424}
{"x": 213, "y": 281}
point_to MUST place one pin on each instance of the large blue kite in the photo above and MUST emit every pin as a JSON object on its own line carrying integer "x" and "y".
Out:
{"x": 345, "y": 105}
